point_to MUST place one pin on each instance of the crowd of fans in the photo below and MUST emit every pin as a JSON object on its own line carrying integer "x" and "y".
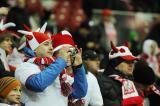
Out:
{"x": 79, "y": 53}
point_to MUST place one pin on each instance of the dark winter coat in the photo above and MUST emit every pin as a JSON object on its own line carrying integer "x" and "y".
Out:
{"x": 154, "y": 98}
{"x": 110, "y": 88}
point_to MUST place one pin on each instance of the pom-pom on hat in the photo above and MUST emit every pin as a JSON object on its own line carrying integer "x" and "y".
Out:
{"x": 64, "y": 38}
{"x": 121, "y": 51}
{"x": 34, "y": 39}
{"x": 7, "y": 84}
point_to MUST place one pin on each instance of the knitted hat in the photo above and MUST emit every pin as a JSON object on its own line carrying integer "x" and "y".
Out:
{"x": 34, "y": 39}
{"x": 64, "y": 38}
{"x": 143, "y": 73}
{"x": 7, "y": 84}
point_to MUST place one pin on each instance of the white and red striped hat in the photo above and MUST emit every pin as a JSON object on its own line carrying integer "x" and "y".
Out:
{"x": 64, "y": 38}
{"x": 121, "y": 51}
{"x": 34, "y": 39}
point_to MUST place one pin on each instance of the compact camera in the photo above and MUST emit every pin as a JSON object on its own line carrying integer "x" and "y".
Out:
{"x": 73, "y": 51}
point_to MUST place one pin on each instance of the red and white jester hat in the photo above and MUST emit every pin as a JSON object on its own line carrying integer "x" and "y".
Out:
{"x": 121, "y": 51}
{"x": 35, "y": 39}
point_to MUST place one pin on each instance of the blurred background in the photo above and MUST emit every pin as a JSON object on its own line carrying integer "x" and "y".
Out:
{"x": 93, "y": 23}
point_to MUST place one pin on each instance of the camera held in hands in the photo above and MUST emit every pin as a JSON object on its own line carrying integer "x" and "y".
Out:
{"x": 73, "y": 51}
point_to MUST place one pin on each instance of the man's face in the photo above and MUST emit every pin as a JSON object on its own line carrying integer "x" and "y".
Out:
{"x": 6, "y": 44}
{"x": 126, "y": 67}
{"x": 45, "y": 49}
{"x": 93, "y": 65}
{"x": 15, "y": 95}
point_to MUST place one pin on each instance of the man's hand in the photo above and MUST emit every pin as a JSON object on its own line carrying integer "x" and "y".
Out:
{"x": 77, "y": 60}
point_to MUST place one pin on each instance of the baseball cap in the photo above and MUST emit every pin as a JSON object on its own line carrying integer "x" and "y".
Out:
{"x": 89, "y": 55}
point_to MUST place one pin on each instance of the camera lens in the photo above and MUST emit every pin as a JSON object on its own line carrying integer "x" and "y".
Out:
{"x": 73, "y": 51}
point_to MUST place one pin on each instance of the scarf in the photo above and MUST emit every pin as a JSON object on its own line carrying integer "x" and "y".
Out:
{"x": 76, "y": 102}
{"x": 66, "y": 86}
{"x": 130, "y": 94}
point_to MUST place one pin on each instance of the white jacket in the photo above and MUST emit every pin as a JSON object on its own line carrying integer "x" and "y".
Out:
{"x": 94, "y": 96}
{"x": 51, "y": 96}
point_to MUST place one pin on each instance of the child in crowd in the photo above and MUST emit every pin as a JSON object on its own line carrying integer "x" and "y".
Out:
{"x": 10, "y": 91}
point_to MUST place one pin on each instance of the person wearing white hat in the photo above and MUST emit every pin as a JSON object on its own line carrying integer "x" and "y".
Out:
{"x": 116, "y": 84}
